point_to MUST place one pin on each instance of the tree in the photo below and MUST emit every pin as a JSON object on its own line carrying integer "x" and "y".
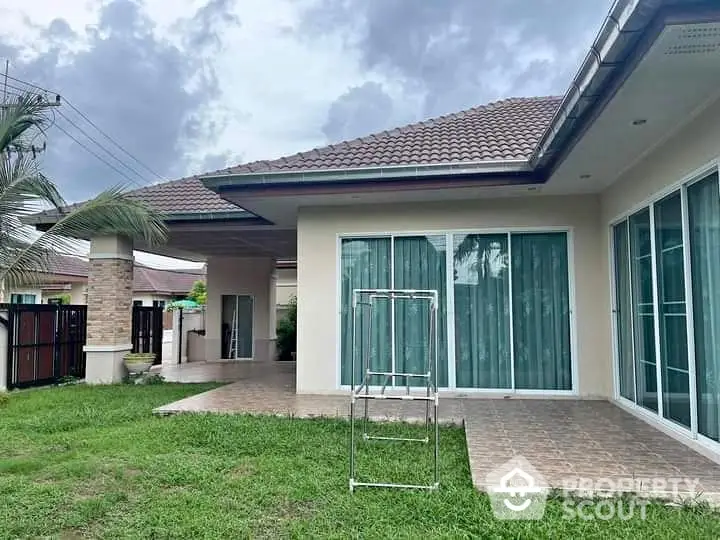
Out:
{"x": 25, "y": 190}
{"x": 198, "y": 293}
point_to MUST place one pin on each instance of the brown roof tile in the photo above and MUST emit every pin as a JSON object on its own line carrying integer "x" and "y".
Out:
{"x": 145, "y": 278}
{"x": 503, "y": 130}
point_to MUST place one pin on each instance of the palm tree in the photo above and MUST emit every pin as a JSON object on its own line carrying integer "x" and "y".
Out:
{"x": 25, "y": 190}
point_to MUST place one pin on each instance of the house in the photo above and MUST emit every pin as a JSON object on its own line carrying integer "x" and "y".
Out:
{"x": 574, "y": 241}
{"x": 67, "y": 280}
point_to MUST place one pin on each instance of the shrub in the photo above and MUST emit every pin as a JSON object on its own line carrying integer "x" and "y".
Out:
{"x": 4, "y": 399}
{"x": 287, "y": 332}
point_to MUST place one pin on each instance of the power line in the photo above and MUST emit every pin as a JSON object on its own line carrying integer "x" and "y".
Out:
{"x": 108, "y": 137}
{"x": 96, "y": 127}
{"x": 106, "y": 162}
{"x": 81, "y": 130}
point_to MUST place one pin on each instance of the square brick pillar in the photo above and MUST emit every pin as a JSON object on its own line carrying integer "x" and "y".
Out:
{"x": 109, "y": 315}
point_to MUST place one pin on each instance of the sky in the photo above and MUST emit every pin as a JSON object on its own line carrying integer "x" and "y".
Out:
{"x": 190, "y": 86}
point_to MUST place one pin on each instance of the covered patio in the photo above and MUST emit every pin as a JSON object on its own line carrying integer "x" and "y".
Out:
{"x": 574, "y": 444}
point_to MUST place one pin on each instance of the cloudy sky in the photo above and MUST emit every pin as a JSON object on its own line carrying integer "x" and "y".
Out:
{"x": 208, "y": 83}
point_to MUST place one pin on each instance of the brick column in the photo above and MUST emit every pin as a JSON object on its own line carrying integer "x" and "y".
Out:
{"x": 109, "y": 300}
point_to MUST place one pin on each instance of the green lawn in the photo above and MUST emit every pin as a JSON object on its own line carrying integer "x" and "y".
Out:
{"x": 92, "y": 461}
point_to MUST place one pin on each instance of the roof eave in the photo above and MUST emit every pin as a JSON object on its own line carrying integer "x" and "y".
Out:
{"x": 217, "y": 182}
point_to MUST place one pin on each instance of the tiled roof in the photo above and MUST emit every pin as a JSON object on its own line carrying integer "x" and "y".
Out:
{"x": 68, "y": 266}
{"x": 503, "y": 130}
{"x": 155, "y": 280}
{"x": 186, "y": 195}
{"x": 145, "y": 278}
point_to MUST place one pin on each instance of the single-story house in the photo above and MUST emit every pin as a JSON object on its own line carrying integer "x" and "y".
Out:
{"x": 574, "y": 240}
{"x": 68, "y": 277}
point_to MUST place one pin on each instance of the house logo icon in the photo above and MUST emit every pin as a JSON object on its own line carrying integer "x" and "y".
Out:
{"x": 517, "y": 490}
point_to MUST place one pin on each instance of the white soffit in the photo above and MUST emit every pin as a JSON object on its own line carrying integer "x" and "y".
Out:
{"x": 676, "y": 79}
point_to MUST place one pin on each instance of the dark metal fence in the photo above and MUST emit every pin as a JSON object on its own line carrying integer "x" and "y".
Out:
{"x": 147, "y": 331}
{"x": 45, "y": 343}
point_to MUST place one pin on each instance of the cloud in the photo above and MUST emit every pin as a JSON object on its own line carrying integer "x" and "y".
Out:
{"x": 359, "y": 111}
{"x": 149, "y": 93}
{"x": 460, "y": 53}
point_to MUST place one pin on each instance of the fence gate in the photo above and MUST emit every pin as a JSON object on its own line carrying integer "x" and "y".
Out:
{"x": 45, "y": 343}
{"x": 147, "y": 331}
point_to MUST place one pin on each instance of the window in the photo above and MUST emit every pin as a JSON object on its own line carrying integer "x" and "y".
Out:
{"x": 667, "y": 305}
{"x": 137, "y": 303}
{"x": 22, "y": 298}
{"x": 159, "y": 304}
{"x": 511, "y": 314}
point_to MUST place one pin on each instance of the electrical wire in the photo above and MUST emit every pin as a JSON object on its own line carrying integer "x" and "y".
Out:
{"x": 88, "y": 136}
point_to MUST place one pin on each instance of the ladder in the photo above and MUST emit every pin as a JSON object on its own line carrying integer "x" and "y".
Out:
{"x": 232, "y": 349}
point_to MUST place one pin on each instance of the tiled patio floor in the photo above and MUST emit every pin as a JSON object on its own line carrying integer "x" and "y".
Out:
{"x": 579, "y": 443}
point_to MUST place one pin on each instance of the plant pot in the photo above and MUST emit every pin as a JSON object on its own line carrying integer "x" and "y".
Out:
{"x": 137, "y": 368}
{"x": 139, "y": 365}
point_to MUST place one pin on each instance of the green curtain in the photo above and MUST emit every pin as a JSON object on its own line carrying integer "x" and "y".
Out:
{"x": 541, "y": 311}
{"x": 643, "y": 313}
{"x": 365, "y": 264}
{"x": 623, "y": 310}
{"x": 420, "y": 263}
{"x": 704, "y": 219}
{"x": 482, "y": 311}
{"x": 671, "y": 308}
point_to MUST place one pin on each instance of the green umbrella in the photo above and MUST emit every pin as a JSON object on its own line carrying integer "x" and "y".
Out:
{"x": 184, "y": 304}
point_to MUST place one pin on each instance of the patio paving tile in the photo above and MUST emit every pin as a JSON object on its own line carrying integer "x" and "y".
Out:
{"x": 567, "y": 441}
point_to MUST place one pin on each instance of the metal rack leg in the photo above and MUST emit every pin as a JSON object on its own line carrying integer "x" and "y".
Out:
{"x": 352, "y": 444}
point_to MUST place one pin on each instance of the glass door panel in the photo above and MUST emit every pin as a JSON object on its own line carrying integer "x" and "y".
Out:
{"x": 704, "y": 219}
{"x": 420, "y": 263}
{"x": 623, "y": 311}
{"x": 541, "y": 311}
{"x": 671, "y": 309}
{"x": 365, "y": 264}
{"x": 643, "y": 310}
{"x": 482, "y": 311}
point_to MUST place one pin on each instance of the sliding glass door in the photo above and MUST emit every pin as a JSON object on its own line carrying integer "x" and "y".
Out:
{"x": 623, "y": 312}
{"x": 672, "y": 319}
{"x": 667, "y": 305}
{"x": 541, "y": 311}
{"x": 511, "y": 308}
{"x": 643, "y": 307}
{"x": 419, "y": 263}
{"x": 704, "y": 221}
{"x": 482, "y": 311}
{"x": 365, "y": 264}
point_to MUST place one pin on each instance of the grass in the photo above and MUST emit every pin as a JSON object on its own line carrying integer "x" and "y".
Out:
{"x": 92, "y": 461}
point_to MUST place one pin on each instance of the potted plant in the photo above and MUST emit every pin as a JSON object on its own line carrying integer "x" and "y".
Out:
{"x": 138, "y": 363}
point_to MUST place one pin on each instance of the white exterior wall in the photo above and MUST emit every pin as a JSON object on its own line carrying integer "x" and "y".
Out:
{"x": 318, "y": 280}
{"x": 691, "y": 148}
{"x": 241, "y": 276}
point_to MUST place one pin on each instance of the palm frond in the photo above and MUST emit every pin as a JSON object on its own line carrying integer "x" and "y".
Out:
{"x": 25, "y": 254}
{"x": 111, "y": 212}
{"x": 18, "y": 119}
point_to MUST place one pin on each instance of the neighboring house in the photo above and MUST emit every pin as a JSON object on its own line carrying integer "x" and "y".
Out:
{"x": 68, "y": 277}
{"x": 574, "y": 241}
